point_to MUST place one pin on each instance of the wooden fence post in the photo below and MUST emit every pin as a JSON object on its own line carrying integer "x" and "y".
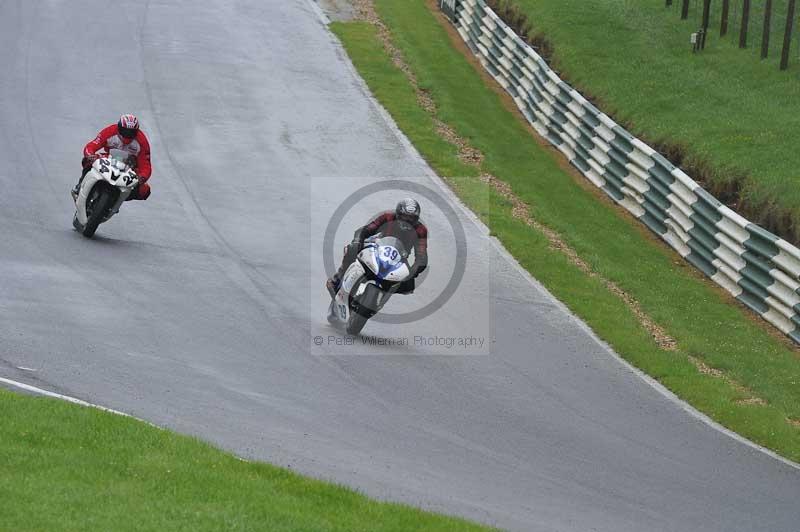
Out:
{"x": 723, "y": 28}
{"x": 765, "y": 31}
{"x": 745, "y": 22}
{"x": 706, "y": 16}
{"x": 787, "y": 36}
{"x": 685, "y": 10}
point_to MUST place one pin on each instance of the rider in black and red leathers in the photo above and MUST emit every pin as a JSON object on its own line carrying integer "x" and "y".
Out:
{"x": 403, "y": 223}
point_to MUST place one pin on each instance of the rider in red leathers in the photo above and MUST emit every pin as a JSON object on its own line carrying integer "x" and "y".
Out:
{"x": 124, "y": 136}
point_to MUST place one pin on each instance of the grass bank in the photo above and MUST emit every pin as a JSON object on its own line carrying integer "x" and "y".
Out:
{"x": 729, "y": 119}
{"x": 66, "y": 467}
{"x": 749, "y": 378}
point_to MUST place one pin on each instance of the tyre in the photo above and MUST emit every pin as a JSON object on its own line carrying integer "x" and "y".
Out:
{"x": 363, "y": 310}
{"x": 356, "y": 323}
{"x": 97, "y": 204}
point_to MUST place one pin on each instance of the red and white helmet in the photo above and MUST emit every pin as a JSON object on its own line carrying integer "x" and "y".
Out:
{"x": 127, "y": 126}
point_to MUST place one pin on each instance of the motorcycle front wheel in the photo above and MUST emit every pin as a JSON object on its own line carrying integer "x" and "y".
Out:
{"x": 356, "y": 323}
{"x": 363, "y": 310}
{"x": 97, "y": 204}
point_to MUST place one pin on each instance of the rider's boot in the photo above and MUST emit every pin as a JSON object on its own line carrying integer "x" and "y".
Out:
{"x": 77, "y": 189}
{"x": 350, "y": 253}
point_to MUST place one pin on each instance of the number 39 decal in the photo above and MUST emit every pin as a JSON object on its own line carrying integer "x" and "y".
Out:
{"x": 390, "y": 253}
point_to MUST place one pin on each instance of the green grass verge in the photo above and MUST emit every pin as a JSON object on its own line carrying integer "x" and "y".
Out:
{"x": 695, "y": 313}
{"x": 732, "y": 114}
{"x": 65, "y": 467}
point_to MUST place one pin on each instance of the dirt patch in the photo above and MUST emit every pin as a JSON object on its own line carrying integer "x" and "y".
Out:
{"x": 749, "y": 399}
{"x": 705, "y": 369}
{"x": 757, "y": 401}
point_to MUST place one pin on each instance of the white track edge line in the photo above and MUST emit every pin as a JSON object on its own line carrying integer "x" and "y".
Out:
{"x": 69, "y": 399}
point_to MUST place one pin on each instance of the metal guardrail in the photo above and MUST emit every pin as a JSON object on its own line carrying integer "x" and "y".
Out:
{"x": 755, "y": 266}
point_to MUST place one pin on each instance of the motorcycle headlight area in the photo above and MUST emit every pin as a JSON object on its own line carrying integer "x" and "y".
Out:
{"x": 389, "y": 259}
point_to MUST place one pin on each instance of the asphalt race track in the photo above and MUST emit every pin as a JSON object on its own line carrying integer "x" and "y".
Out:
{"x": 199, "y": 309}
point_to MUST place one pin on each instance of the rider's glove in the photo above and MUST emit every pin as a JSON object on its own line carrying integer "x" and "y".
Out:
{"x": 89, "y": 159}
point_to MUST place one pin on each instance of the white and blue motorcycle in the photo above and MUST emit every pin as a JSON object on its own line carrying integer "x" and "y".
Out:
{"x": 369, "y": 282}
{"x": 103, "y": 190}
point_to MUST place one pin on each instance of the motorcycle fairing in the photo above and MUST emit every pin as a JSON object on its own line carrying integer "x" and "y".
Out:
{"x": 116, "y": 173}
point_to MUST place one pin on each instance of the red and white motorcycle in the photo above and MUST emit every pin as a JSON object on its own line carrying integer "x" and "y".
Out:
{"x": 104, "y": 188}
